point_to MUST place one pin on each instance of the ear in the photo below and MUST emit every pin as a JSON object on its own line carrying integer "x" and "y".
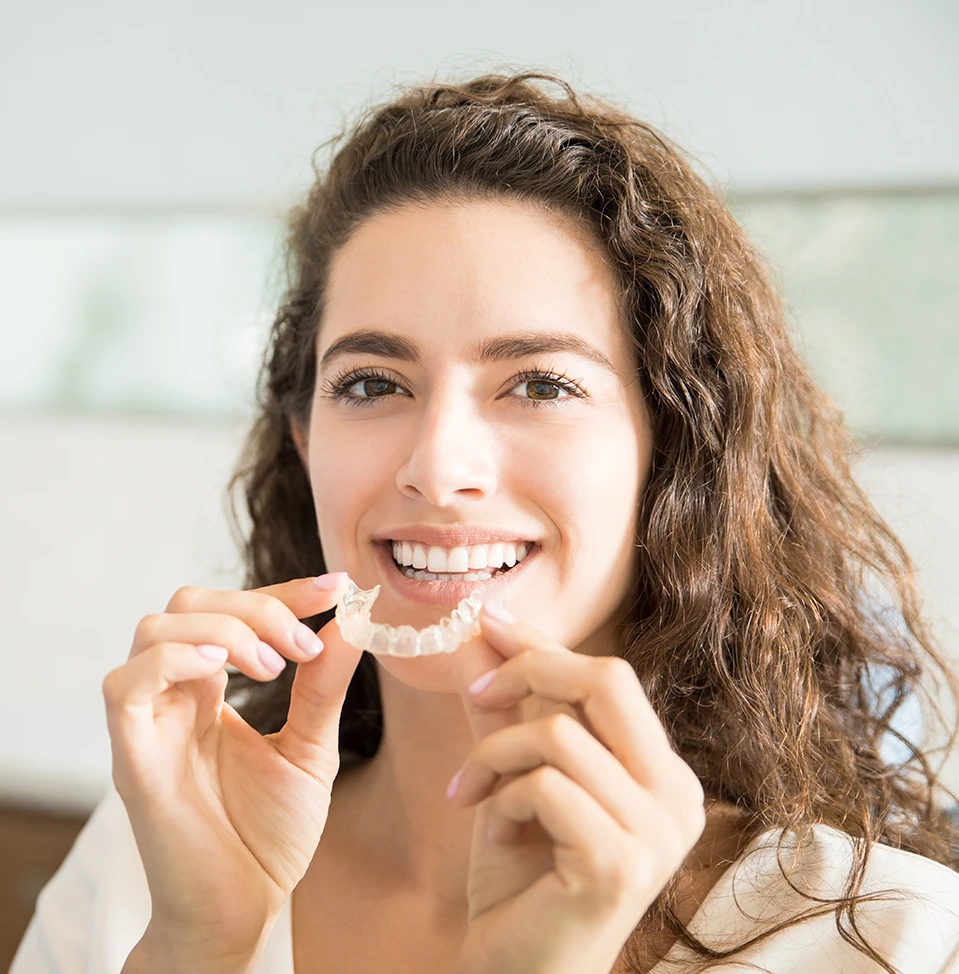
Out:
{"x": 301, "y": 441}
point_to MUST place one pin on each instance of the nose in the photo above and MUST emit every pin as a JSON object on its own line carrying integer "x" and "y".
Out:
{"x": 453, "y": 455}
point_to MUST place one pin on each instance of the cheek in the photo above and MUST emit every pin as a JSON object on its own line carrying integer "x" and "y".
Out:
{"x": 587, "y": 479}
{"x": 590, "y": 480}
{"x": 347, "y": 469}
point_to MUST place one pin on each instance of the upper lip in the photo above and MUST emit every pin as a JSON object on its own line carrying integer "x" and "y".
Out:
{"x": 450, "y": 535}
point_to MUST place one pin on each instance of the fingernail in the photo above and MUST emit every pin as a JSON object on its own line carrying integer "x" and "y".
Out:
{"x": 498, "y": 612}
{"x": 270, "y": 658}
{"x": 332, "y": 580}
{"x": 454, "y": 784}
{"x": 307, "y": 640}
{"x": 478, "y": 686}
{"x": 211, "y": 652}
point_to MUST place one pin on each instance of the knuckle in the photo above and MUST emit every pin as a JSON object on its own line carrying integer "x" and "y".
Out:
{"x": 560, "y": 730}
{"x": 525, "y": 660}
{"x": 674, "y": 843}
{"x": 184, "y": 598}
{"x": 688, "y": 781}
{"x": 675, "y": 852}
{"x": 265, "y": 603}
{"x": 697, "y": 815}
{"x": 615, "y": 874}
{"x": 276, "y": 614}
{"x": 112, "y": 687}
{"x": 485, "y": 751}
{"x": 312, "y": 697}
{"x": 232, "y": 632}
{"x": 617, "y": 671}
{"x": 697, "y": 791}
{"x": 146, "y": 628}
{"x": 545, "y": 780}
{"x": 273, "y": 618}
{"x": 692, "y": 812}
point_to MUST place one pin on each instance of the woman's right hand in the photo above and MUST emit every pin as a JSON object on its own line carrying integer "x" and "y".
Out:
{"x": 226, "y": 820}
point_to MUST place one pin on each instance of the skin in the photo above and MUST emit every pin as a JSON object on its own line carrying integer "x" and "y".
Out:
{"x": 453, "y": 439}
{"x": 465, "y": 447}
{"x": 572, "y": 811}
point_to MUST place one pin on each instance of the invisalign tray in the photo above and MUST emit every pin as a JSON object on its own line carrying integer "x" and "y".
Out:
{"x": 356, "y": 627}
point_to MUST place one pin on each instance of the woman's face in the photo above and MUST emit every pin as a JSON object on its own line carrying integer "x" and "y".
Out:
{"x": 475, "y": 388}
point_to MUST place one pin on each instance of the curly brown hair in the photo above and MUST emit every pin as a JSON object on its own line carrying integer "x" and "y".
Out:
{"x": 773, "y": 618}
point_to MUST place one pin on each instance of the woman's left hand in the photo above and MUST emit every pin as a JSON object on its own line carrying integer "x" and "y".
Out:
{"x": 585, "y": 811}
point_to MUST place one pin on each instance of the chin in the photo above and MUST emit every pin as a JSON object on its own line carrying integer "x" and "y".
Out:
{"x": 433, "y": 674}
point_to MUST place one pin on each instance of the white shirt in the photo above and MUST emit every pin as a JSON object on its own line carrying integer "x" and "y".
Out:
{"x": 95, "y": 909}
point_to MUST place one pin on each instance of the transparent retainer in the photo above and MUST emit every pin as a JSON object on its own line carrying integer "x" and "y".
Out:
{"x": 356, "y": 627}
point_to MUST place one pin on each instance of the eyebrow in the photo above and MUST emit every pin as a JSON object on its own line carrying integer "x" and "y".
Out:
{"x": 518, "y": 345}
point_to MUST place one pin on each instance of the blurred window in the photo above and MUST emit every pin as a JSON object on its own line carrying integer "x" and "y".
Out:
{"x": 169, "y": 313}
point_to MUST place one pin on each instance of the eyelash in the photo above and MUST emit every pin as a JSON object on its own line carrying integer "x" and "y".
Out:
{"x": 335, "y": 387}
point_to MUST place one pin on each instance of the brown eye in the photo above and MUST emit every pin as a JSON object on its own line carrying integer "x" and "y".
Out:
{"x": 538, "y": 389}
{"x": 373, "y": 388}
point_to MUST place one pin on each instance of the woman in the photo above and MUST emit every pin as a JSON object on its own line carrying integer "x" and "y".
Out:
{"x": 518, "y": 324}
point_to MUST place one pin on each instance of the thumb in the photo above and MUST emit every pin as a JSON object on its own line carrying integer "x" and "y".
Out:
{"x": 311, "y": 735}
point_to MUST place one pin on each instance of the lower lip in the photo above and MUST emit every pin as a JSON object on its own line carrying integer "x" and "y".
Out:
{"x": 442, "y": 592}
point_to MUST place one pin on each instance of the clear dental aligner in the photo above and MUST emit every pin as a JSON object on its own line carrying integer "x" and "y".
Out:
{"x": 356, "y": 627}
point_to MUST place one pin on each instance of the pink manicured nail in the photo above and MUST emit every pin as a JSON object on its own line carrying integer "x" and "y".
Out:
{"x": 307, "y": 640}
{"x": 270, "y": 658}
{"x": 498, "y": 612}
{"x": 211, "y": 652}
{"x": 454, "y": 784}
{"x": 332, "y": 580}
{"x": 478, "y": 686}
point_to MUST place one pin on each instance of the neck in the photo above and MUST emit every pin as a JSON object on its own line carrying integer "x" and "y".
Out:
{"x": 392, "y": 812}
{"x": 390, "y": 815}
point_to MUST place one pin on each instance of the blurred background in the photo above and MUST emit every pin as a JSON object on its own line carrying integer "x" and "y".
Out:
{"x": 147, "y": 156}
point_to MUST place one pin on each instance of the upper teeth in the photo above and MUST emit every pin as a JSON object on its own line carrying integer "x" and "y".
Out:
{"x": 462, "y": 559}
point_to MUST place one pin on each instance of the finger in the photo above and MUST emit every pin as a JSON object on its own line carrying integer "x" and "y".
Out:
{"x": 130, "y": 691}
{"x": 302, "y": 596}
{"x": 308, "y": 596}
{"x": 158, "y": 668}
{"x": 298, "y": 598}
{"x": 259, "y": 626}
{"x": 470, "y": 661}
{"x": 310, "y": 736}
{"x": 248, "y": 652}
{"x": 562, "y": 743}
{"x": 567, "y": 813}
{"x": 605, "y": 689}
{"x": 273, "y": 611}
{"x": 473, "y": 659}
{"x": 508, "y": 636}
{"x": 210, "y": 694}
{"x": 592, "y": 854}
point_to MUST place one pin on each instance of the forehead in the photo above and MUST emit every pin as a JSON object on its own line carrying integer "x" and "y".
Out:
{"x": 450, "y": 275}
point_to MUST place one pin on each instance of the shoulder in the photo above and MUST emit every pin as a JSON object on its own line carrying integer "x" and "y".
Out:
{"x": 819, "y": 863}
{"x": 911, "y": 917}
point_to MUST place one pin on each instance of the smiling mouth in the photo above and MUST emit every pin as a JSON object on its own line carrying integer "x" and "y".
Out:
{"x": 476, "y": 563}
